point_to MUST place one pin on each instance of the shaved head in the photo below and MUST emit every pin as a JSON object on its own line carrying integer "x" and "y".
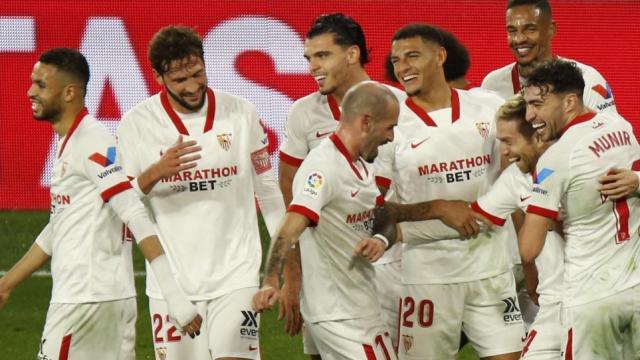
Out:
{"x": 368, "y": 97}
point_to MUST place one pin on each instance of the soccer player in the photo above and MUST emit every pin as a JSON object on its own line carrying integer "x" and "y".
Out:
{"x": 530, "y": 29}
{"x": 335, "y": 194}
{"x": 92, "y": 313}
{"x": 337, "y": 52}
{"x": 600, "y": 309}
{"x": 445, "y": 149}
{"x": 200, "y": 189}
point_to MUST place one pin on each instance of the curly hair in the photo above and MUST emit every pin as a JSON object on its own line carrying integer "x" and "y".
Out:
{"x": 557, "y": 77}
{"x": 173, "y": 43}
{"x": 346, "y": 31}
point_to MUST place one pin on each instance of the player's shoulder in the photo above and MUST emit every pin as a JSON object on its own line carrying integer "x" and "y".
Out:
{"x": 481, "y": 98}
{"x": 230, "y": 101}
{"x": 91, "y": 133}
{"x": 588, "y": 71}
{"x": 324, "y": 156}
{"x": 399, "y": 94}
{"x": 309, "y": 102}
{"x": 140, "y": 113}
{"x": 496, "y": 76}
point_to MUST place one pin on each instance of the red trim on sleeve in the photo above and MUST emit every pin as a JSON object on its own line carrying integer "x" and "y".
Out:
{"x": 335, "y": 109}
{"x": 368, "y": 351}
{"x": 383, "y": 181}
{"x": 636, "y": 165}
{"x": 65, "y": 344}
{"x": 115, "y": 190}
{"x": 515, "y": 78}
{"x": 288, "y": 159}
{"x": 551, "y": 214}
{"x": 84, "y": 112}
{"x": 306, "y": 212}
{"x": 494, "y": 219}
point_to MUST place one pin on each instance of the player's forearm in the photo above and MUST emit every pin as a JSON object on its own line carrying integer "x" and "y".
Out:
{"x": 150, "y": 247}
{"x": 285, "y": 180}
{"x": 385, "y": 223}
{"x": 531, "y": 237}
{"x": 148, "y": 179}
{"x": 30, "y": 262}
{"x": 275, "y": 261}
{"x": 293, "y": 266}
{"x": 427, "y": 210}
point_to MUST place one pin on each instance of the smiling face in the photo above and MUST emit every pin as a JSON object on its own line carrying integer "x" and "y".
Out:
{"x": 46, "y": 92}
{"x": 545, "y": 111}
{"x": 329, "y": 63}
{"x": 529, "y": 34}
{"x": 517, "y": 148}
{"x": 417, "y": 63}
{"x": 186, "y": 83}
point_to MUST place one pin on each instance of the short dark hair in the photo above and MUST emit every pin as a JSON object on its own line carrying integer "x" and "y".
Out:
{"x": 542, "y": 5}
{"x": 173, "y": 43}
{"x": 557, "y": 76}
{"x": 69, "y": 61}
{"x": 346, "y": 32}
{"x": 426, "y": 32}
{"x": 514, "y": 110}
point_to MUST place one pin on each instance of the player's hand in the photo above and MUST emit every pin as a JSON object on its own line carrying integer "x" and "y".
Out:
{"x": 618, "y": 183}
{"x": 459, "y": 216}
{"x": 289, "y": 306}
{"x": 370, "y": 249}
{"x": 193, "y": 328}
{"x": 265, "y": 298}
{"x": 179, "y": 157}
{"x": 5, "y": 293}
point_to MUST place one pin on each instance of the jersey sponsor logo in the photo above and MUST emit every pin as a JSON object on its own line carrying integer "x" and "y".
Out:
{"x": 224, "y": 140}
{"x": 249, "y": 326}
{"x": 597, "y": 125}
{"x": 322, "y": 134}
{"x": 415, "y": 145}
{"x": 362, "y": 221}
{"x": 102, "y": 160}
{"x": 542, "y": 176}
{"x": 609, "y": 141}
{"x": 314, "y": 183}
{"x": 511, "y": 314}
{"x": 604, "y": 91}
{"x": 483, "y": 129}
{"x": 261, "y": 161}
{"x": 456, "y": 170}
{"x": 523, "y": 198}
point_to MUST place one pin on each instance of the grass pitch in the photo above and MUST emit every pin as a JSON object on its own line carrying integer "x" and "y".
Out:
{"x": 22, "y": 319}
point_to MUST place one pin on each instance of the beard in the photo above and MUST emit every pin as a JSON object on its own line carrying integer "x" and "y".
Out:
{"x": 185, "y": 104}
{"x": 49, "y": 113}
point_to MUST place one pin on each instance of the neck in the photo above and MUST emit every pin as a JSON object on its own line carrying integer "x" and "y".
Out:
{"x": 526, "y": 70}
{"x": 459, "y": 83}
{"x": 434, "y": 97}
{"x": 349, "y": 138}
{"x": 580, "y": 110}
{"x": 358, "y": 75}
{"x": 63, "y": 124}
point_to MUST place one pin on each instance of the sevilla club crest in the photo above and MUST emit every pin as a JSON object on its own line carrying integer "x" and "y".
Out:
{"x": 225, "y": 141}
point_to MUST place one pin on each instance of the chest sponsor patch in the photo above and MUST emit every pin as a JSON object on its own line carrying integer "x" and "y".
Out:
{"x": 103, "y": 160}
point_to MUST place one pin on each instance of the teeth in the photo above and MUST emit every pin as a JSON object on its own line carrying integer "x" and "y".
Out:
{"x": 320, "y": 77}
{"x": 538, "y": 125}
{"x": 523, "y": 51}
{"x": 409, "y": 77}
{"x": 35, "y": 106}
{"x": 513, "y": 159}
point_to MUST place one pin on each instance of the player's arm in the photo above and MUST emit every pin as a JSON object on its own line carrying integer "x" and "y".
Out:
{"x": 287, "y": 236}
{"x": 32, "y": 260}
{"x": 619, "y": 183}
{"x": 531, "y": 236}
{"x": 179, "y": 157}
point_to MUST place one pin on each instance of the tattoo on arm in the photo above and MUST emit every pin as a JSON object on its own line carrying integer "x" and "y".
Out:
{"x": 277, "y": 256}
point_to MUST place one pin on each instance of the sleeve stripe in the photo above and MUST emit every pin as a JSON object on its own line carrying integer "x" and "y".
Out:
{"x": 494, "y": 219}
{"x": 551, "y": 214}
{"x": 306, "y": 212}
{"x": 114, "y": 190}
{"x": 383, "y": 181}
{"x": 290, "y": 159}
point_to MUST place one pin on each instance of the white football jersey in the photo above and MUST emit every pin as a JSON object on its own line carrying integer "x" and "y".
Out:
{"x": 450, "y": 154}
{"x": 338, "y": 196}
{"x": 509, "y": 193}
{"x": 311, "y": 119}
{"x": 602, "y": 248}
{"x": 597, "y": 94}
{"x": 88, "y": 244}
{"x": 205, "y": 216}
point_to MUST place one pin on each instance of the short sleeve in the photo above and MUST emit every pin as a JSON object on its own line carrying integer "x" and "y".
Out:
{"x": 312, "y": 190}
{"x": 502, "y": 198}
{"x": 597, "y": 93}
{"x": 294, "y": 146}
{"x": 44, "y": 240}
{"x": 127, "y": 139}
{"x": 550, "y": 182}
{"x": 101, "y": 164}
{"x": 384, "y": 164}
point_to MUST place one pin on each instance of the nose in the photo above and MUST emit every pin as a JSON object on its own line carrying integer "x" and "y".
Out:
{"x": 519, "y": 37}
{"x": 313, "y": 66}
{"x": 504, "y": 148}
{"x": 31, "y": 90}
{"x": 400, "y": 68}
{"x": 530, "y": 114}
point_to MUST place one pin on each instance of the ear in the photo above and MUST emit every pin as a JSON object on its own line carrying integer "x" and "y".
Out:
{"x": 366, "y": 122}
{"x": 570, "y": 102}
{"x": 552, "y": 29}
{"x": 70, "y": 92}
{"x": 441, "y": 56}
{"x": 353, "y": 54}
{"x": 159, "y": 78}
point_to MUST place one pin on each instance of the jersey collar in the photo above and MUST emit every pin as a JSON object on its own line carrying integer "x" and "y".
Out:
{"x": 84, "y": 112}
{"x": 177, "y": 122}
{"x": 343, "y": 150}
{"x": 577, "y": 120}
{"x": 333, "y": 106}
{"x": 455, "y": 109}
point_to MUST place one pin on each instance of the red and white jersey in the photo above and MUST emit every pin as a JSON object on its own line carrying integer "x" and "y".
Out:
{"x": 338, "y": 196}
{"x": 602, "y": 248}
{"x": 509, "y": 193}
{"x": 205, "y": 216}
{"x": 597, "y": 95}
{"x": 450, "y": 154}
{"x": 311, "y": 119}
{"x": 89, "y": 247}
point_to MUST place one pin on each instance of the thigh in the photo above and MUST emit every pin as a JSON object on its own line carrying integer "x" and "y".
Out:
{"x": 233, "y": 326}
{"x": 430, "y": 321}
{"x": 129, "y": 317}
{"x": 544, "y": 340}
{"x": 354, "y": 339}
{"x": 168, "y": 341}
{"x": 492, "y": 320}
{"x": 83, "y": 331}
{"x": 389, "y": 289}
